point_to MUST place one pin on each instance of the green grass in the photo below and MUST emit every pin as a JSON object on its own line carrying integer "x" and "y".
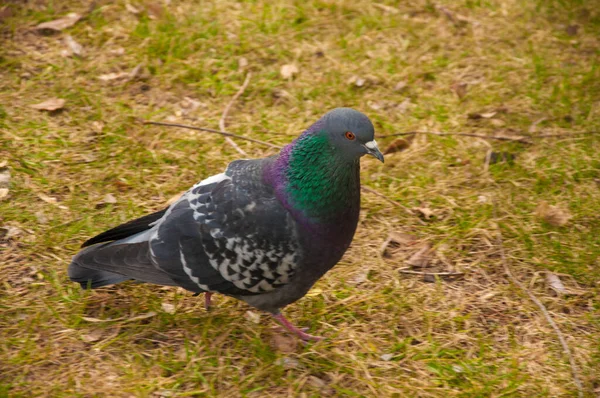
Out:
{"x": 478, "y": 336}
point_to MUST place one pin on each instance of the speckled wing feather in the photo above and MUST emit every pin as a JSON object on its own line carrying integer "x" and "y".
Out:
{"x": 228, "y": 234}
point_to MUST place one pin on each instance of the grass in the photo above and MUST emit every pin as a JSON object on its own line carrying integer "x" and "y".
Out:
{"x": 536, "y": 64}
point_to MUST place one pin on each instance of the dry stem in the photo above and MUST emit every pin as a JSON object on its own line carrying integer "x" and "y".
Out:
{"x": 226, "y": 111}
{"x": 542, "y": 307}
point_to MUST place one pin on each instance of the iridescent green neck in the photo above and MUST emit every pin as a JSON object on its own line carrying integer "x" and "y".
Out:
{"x": 320, "y": 183}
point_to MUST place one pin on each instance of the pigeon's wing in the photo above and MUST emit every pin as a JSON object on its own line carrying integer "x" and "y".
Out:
{"x": 125, "y": 230}
{"x": 228, "y": 234}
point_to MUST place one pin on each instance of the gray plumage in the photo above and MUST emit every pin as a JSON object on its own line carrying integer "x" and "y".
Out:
{"x": 245, "y": 233}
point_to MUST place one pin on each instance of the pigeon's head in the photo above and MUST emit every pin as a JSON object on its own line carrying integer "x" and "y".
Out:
{"x": 350, "y": 132}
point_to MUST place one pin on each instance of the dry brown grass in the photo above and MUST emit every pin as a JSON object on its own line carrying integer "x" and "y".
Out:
{"x": 389, "y": 334}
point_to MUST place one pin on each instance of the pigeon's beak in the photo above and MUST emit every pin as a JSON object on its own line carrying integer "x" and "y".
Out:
{"x": 373, "y": 150}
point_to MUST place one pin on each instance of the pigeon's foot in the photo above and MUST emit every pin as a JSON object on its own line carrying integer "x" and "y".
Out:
{"x": 297, "y": 331}
{"x": 207, "y": 296}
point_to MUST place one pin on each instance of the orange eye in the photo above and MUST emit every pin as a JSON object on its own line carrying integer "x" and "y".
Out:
{"x": 350, "y": 135}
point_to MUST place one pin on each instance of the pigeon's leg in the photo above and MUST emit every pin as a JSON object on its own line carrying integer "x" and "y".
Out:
{"x": 207, "y": 296}
{"x": 298, "y": 332}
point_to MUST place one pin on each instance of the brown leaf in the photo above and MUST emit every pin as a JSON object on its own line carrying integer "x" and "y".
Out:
{"x": 359, "y": 277}
{"x": 572, "y": 30}
{"x": 426, "y": 212}
{"x": 460, "y": 89}
{"x": 4, "y": 182}
{"x": 7, "y": 232}
{"x": 485, "y": 115}
{"x": 288, "y": 71}
{"x": 284, "y": 343}
{"x": 50, "y": 105}
{"x": 168, "y": 308}
{"x": 132, "y": 9}
{"x": 113, "y": 76}
{"x": 93, "y": 336}
{"x": 5, "y": 12}
{"x": 395, "y": 241}
{"x": 288, "y": 362}
{"x": 155, "y": 10}
{"x": 398, "y": 145}
{"x": 400, "y": 86}
{"x": 421, "y": 258}
{"x": 60, "y": 24}
{"x": 553, "y": 215}
{"x": 555, "y": 283}
{"x": 109, "y": 198}
{"x": 242, "y": 63}
{"x": 252, "y": 317}
{"x": 74, "y": 47}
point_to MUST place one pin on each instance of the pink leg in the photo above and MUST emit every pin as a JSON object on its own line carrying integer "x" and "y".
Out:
{"x": 298, "y": 332}
{"x": 207, "y": 296}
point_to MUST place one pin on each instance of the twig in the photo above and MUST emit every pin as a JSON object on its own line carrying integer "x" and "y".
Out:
{"x": 522, "y": 140}
{"x": 228, "y": 134}
{"x": 407, "y": 270}
{"x": 223, "y": 133}
{"x": 226, "y": 110}
{"x": 542, "y": 307}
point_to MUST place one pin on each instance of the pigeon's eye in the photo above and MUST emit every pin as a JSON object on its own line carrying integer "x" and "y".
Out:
{"x": 350, "y": 135}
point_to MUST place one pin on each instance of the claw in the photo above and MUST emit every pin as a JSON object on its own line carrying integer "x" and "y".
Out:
{"x": 300, "y": 332}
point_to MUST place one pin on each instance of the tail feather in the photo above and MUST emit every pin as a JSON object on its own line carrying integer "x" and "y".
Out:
{"x": 109, "y": 263}
{"x": 93, "y": 279}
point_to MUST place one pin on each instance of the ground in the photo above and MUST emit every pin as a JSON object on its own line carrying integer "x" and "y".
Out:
{"x": 504, "y": 68}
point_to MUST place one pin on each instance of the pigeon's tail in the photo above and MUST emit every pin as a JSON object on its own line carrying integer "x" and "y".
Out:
{"x": 109, "y": 263}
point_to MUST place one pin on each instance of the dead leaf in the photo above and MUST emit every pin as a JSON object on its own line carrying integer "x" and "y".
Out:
{"x": 386, "y": 357}
{"x": 4, "y": 182}
{"x": 288, "y": 362}
{"x": 60, "y": 24}
{"x": 485, "y": 115}
{"x": 5, "y": 12}
{"x": 386, "y": 8}
{"x": 47, "y": 199}
{"x": 357, "y": 81}
{"x": 572, "y": 30}
{"x": 555, "y": 283}
{"x": 242, "y": 63}
{"x": 168, "y": 308}
{"x": 460, "y": 89}
{"x": 8, "y": 231}
{"x": 553, "y": 215}
{"x": 398, "y": 145}
{"x": 74, "y": 47}
{"x": 109, "y": 198}
{"x": 132, "y": 9}
{"x": 359, "y": 277}
{"x": 142, "y": 316}
{"x": 395, "y": 241}
{"x": 400, "y": 86}
{"x": 117, "y": 51}
{"x": 113, "y": 76}
{"x": 426, "y": 212}
{"x": 93, "y": 336}
{"x": 41, "y": 217}
{"x": 155, "y": 10}
{"x": 314, "y": 292}
{"x": 252, "y": 317}
{"x": 284, "y": 343}
{"x": 288, "y": 71}
{"x": 50, "y": 105}
{"x": 421, "y": 258}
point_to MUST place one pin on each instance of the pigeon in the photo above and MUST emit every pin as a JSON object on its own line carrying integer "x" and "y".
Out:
{"x": 264, "y": 231}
